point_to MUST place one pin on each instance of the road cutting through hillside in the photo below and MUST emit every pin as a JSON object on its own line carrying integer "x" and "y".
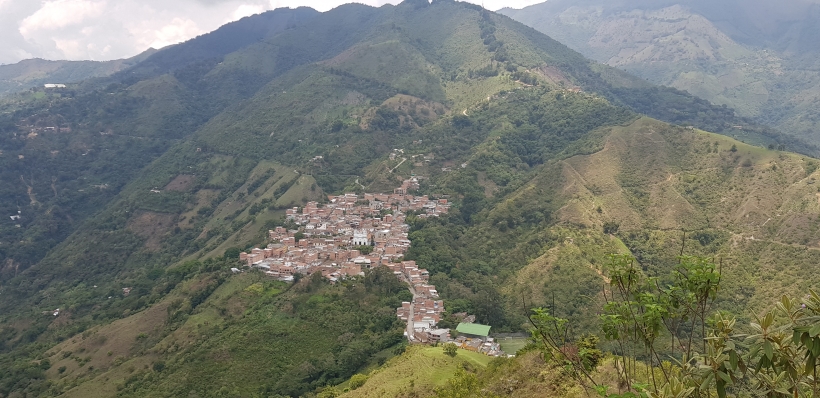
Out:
{"x": 410, "y": 329}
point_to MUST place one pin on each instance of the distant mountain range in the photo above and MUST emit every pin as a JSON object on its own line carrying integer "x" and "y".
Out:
{"x": 37, "y": 72}
{"x": 758, "y": 57}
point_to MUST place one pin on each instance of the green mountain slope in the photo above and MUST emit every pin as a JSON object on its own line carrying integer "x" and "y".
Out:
{"x": 166, "y": 168}
{"x": 752, "y": 209}
{"x": 752, "y": 56}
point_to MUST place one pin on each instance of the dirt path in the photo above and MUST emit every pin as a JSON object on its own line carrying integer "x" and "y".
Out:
{"x": 357, "y": 183}
{"x": 400, "y": 163}
{"x": 30, "y": 191}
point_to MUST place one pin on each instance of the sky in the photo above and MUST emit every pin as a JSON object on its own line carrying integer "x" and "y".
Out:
{"x": 102, "y": 30}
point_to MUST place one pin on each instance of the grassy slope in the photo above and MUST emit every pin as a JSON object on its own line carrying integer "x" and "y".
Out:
{"x": 422, "y": 369}
{"x": 248, "y": 335}
{"x": 417, "y": 372}
{"x": 754, "y": 208}
{"x": 656, "y": 180}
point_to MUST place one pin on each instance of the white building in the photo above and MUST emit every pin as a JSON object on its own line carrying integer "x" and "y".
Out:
{"x": 360, "y": 238}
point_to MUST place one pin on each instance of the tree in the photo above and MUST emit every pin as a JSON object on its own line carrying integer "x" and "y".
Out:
{"x": 451, "y": 349}
{"x": 330, "y": 392}
{"x": 357, "y": 381}
{"x": 463, "y": 385}
{"x": 611, "y": 227}
{"x": 232, "y": 253}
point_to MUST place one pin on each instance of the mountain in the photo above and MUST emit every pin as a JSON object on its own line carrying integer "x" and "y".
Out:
{"x": 125, "y": 195}
{"x": 37, "y": 72}
{"x": 755, "y": 57}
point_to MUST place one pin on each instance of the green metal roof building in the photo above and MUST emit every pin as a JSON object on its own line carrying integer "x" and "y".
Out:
{"x": 473, "y": 329}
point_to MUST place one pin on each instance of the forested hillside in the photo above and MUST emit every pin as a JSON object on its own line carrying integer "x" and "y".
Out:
{"x": 148, "y": 179}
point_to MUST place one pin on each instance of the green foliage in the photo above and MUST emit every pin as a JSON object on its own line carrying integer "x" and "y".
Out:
{"x": 464, "y": 384}
{"x": 588, "y": 351}
{"x": 611, "y": 227}
{"x": 778, "y": 359}
{"x": 357, "y": 381}
{"x": 323, "y": 335}
{"x": 233, "y": 253}
{"x": 450, "y": 349}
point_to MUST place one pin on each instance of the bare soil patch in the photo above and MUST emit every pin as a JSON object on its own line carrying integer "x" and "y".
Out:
{"x": 180, "y": 183}
{"x": 553, "y": 74}
{"x": 152, "y": 226}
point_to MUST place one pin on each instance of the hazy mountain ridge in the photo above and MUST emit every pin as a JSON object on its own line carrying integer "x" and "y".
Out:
{"x": 755, "y": 58}
{"x": 32, "y": 73}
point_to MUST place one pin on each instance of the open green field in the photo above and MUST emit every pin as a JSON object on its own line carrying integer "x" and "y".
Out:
{"x": 511, "y": 345}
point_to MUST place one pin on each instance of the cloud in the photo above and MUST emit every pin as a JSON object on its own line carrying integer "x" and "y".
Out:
{"x": 61, "y": 13}
{"x": 325, "y": 5}
{"x": 177, "y": 30}
{"x": 110, "y": 29}
{"x": 246, "y": 10}
{"x": 499, "y": 4}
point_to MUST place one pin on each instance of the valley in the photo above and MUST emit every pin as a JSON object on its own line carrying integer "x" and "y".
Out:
{"x": 207, "y": 220}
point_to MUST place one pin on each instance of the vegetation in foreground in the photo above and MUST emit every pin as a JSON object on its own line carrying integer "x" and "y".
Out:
{"x": 665, "y": 342}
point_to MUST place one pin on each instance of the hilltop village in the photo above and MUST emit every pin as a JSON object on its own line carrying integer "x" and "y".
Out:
{"x": 351, "y": 234}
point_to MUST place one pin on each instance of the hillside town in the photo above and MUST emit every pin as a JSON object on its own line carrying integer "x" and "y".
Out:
{"x": 345, "y": 236}
{"x": 350, "y": 234}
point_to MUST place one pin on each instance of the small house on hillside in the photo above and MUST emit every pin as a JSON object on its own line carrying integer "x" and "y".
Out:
{"x": 473, "y": 330}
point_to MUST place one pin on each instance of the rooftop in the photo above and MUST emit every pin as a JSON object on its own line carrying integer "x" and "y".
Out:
{"x": 474, "y": 329}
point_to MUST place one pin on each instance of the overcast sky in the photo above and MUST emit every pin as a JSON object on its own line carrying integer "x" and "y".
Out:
{"x": 110, "y": 29}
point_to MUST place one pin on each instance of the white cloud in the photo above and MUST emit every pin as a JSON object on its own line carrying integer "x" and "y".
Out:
{"x": 61, "y": 13}
{"x": 325, "y": 5}
{"x": 71, "y": 48}
{"x": 246, "y": 10}
{"x": 110, "y": 29}
{"x": 178, "y": 30}
{"x": 499, "y": 4}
